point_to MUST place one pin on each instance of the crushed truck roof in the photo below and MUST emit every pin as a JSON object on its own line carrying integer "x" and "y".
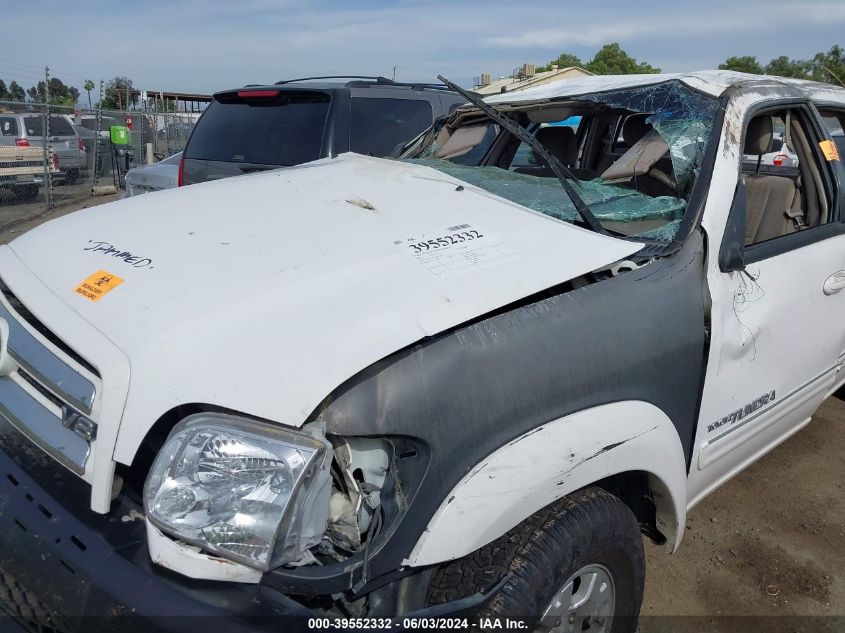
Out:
{"x": 713, "y": 82}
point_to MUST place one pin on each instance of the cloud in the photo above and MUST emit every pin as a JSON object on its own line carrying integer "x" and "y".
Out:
{"x": 673, "y": 24}
{"x": 202, "y": 46}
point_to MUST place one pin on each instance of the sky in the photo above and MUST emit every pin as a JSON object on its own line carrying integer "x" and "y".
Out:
{"x": 204, "y": 45}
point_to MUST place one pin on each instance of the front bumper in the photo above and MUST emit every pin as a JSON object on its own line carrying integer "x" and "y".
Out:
{"x": 66, "y": 568}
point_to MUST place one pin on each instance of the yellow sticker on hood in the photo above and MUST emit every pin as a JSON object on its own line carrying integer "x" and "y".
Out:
{"x": 98, "y": 284}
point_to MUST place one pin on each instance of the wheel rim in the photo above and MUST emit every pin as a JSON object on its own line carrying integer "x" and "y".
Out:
{"x": 584, "y": 602}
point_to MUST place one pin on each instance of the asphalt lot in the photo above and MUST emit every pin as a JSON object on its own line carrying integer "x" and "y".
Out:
{"x": 771, "y": 542}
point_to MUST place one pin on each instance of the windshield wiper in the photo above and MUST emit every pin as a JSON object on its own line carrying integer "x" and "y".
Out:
{"x": 563, "y": 174}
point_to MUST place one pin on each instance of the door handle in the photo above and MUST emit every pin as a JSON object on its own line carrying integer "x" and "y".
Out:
{"x": 834, "y": 283}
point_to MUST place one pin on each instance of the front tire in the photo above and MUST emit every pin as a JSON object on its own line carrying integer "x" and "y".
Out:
{"x": 576, "y": 565}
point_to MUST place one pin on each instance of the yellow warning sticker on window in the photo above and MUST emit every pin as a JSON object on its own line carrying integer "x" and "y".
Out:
{"x": 829, "y": 150}
{"x": 97, "y": 285}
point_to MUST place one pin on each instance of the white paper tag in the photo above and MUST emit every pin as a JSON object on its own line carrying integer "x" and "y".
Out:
{"x": 458, "y": 250}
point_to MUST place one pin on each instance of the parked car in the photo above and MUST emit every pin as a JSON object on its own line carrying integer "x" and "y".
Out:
{"x": 26, "y": 129}
{"x": 256, "y": 128}
{"x": 102, "y": 156}
{"x": 142, "y": 133}
{"x": 22, "y": 170}
{"x": 433, "y": 387}
{"x": 176, "y": 131}
{"x": 780, "y": 158}
{"x": 161, "y": 175}
{"x": 89, "y": 122}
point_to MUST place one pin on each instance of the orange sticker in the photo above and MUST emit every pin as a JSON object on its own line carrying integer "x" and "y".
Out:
{"x": 829, "y": 150}
{"x": 98, "y": 284}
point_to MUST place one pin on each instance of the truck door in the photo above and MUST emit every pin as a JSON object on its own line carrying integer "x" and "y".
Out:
{"x": 777, "y": 334}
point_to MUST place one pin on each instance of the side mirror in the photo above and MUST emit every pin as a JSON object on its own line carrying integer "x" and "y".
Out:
{"x": 732, "y": 252}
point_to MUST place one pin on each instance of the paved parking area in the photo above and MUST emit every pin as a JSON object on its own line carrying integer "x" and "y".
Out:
{"x": 771, "y": 542}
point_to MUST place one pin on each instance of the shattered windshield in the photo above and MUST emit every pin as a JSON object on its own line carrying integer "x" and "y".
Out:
{"x": 636, "y": 154}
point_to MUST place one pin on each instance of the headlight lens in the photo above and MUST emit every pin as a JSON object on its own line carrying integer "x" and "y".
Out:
{"x": 237, "y": 488}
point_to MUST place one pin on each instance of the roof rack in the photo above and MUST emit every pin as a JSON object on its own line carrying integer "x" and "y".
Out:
{"x": 380, "y": 80}
{"x": 369, "y": 78}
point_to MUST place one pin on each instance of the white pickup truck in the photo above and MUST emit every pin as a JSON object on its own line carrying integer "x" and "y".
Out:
{"x": 22, "y": 170}
{"x": 459, "y": 383}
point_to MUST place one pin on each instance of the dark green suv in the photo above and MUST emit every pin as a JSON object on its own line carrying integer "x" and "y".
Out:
{"x": 256, "y": 128}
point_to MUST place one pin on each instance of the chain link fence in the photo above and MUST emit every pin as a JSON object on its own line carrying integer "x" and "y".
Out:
{"x": 53, "y": 155}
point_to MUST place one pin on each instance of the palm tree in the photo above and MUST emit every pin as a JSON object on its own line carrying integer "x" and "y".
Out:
{"x": 89, "y": 86}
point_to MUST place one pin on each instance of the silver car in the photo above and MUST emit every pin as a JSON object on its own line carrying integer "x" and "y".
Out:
{"x": 155, "y": 177}
{"x": 26, "y": 129}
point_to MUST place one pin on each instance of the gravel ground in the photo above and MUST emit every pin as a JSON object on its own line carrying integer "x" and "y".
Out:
{"x": 770, "y": 542}
{"x": 766, "y": 552}
{"x": 19, "y": 218}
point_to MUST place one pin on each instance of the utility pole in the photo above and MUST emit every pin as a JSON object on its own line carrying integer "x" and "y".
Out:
{"x": 394, "y": 73}
{"x": 98, "y": 140}
{"x": 48, "y": 148}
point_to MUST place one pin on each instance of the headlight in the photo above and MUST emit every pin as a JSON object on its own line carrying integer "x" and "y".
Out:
{"x": 239, "y": 488}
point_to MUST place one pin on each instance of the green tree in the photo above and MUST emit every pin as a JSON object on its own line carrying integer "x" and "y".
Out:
{"x": 745, "y": 64}
{"x": 59, "y": 93}
{"x": 16, "y": 92}
{"x": 830, "y": 66}
{"x": 784, "y": 67}
{"x": 88, "y": 86}
{"x": 612, "y": 60}
{"x": 38, "y": 93}
{"x": 115, "y": 97}
{"x": 62, "y": 94}
{"x": 4, "y": 91}
{"x": 564, "y": 60}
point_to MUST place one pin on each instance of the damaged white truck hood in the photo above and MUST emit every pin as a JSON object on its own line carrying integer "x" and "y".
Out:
{"x": 262, "y": 294}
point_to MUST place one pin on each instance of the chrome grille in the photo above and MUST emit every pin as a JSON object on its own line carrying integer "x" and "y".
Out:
{"x": 46, "y": 367}
{"x": 22, "y": 312}
{"x": 46, "y": 398}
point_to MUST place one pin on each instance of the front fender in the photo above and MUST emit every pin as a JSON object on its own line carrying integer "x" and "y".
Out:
{"x": 551, "y": 461}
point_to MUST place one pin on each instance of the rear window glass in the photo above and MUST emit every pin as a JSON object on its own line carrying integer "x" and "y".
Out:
{"x": 8, "y": 126}
{"x": 59, "y": 126}
{"x": 105, "y": 123}
{"x": 285, "y": 130}
{"x": 379, "y": 125}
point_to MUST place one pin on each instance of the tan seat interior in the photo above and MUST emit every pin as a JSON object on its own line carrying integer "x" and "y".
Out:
{"x": 645, "y": 148}
{"x": 562, "y": 143}
{"x": 773, "y": 202}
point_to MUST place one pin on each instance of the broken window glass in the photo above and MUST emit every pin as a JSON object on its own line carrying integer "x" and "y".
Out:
{"x": 608, "y": 202}
{"x": 683, "y": 118}
{"x": 679, "y": 120}
{"x": 466, "y": 145}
